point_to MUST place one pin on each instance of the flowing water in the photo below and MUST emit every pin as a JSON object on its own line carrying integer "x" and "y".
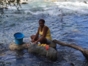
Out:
{"x": 67, "y": 22}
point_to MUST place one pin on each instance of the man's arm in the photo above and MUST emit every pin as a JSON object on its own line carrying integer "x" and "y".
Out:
{"x": 36, "y": 36}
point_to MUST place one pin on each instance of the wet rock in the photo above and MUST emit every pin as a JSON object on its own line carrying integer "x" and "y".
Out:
{"x": 14, "y": 46}
{"x": 52, "y": 44}
{"x": 51, "y": 53}
{"x": 85, "y": 2}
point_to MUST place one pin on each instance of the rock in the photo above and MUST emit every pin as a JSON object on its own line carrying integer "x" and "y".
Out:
{"x": 51, "y": 53}
{"x": 14, "y": 46}
{"x": 52, "y": 44}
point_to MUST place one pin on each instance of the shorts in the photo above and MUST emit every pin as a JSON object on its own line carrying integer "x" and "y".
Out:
{"x": 49, "y": 41}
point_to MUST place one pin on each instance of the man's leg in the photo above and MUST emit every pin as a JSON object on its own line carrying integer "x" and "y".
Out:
{"x": 43, "y": 41}
{"x": 33, "y": 36}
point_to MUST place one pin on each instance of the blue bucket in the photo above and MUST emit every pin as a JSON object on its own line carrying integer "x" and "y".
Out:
{"x": 18, "y": 38}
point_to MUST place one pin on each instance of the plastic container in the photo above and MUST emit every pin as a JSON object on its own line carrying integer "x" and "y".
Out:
{"x": 18, "y": 38}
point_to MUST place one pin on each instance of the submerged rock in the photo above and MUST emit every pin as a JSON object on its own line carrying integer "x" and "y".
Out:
{"x": 46, "y": 51}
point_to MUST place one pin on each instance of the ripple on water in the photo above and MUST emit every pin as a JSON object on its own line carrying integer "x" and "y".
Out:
{"x": 15, "y": 21}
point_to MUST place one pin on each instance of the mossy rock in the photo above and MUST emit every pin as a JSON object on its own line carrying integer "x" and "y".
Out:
{"x": 51, "y": 53}
{"x": 14, "y": 46}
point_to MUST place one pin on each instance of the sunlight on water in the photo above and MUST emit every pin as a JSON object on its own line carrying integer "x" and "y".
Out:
{"x": 66, "y": 22}
{"x": 39, "y": 3}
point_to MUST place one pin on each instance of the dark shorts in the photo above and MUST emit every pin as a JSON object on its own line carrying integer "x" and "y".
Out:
{"x": 49, "y": 41}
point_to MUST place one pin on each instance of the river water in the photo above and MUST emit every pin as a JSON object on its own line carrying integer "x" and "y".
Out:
{"x": 66, "y": 20}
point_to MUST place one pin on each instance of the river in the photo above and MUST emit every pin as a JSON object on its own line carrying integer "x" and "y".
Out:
{"x": 66, "y": 20}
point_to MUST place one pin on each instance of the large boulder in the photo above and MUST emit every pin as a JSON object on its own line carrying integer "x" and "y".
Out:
{"x": 50, "y": 53}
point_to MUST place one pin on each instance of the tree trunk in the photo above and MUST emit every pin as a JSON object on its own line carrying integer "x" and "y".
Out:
{"x": 84, "y": 51}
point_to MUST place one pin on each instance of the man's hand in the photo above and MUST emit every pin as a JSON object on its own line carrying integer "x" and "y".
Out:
{"x": 32, "y": 40}
{"x": 36, "y": 42}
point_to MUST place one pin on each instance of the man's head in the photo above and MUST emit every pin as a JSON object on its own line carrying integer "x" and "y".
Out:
{"x": 41, "y": 22}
